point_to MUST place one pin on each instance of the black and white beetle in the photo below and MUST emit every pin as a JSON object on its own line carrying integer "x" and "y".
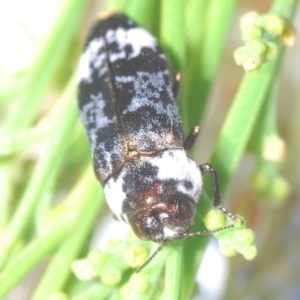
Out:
{"x": 127, "y": 105}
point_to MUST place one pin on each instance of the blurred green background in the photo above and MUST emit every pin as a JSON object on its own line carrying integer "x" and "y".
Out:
{"x": 51, "y": 204}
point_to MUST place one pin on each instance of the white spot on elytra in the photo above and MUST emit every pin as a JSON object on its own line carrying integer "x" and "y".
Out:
{"x": 175, "y": 164}
{"x": 91, "y": 59}
{"x": 137, "y": 38}
{"x": 115, "y": 196}
{"x": 92, "y": 112}
{"x": 148, "y": 86}
{"x": 93, "y": 117}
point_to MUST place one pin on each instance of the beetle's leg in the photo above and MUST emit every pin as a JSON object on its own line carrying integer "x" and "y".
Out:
{"x": 190, "y": 140}
{"x": 207, "y": 168}
{"x": 177, "y": 86}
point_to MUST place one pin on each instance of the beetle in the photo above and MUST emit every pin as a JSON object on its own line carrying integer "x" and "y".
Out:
{"x": 127, "y": 105}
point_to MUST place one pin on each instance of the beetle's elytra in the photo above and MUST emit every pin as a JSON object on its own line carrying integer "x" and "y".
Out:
{"x": 127, "y": 106}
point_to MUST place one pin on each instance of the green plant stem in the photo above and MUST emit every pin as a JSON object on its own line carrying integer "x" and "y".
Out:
{"x": 48, "y": 164}
{"x": 14, "y": 143}
{"x": 205, "y": 58}
{"x": 33, "y": 86}
{"x": 192, "y": 260}
{"x": 6, "y": 195}
{"x": 285, "y": 9}
{"x": 32, "y": 254}
{"x": 23, "y": 111}
{"x": 195, "y": 14}
{"x": 43, "y": 205}
{"x": 278, "y": 221}
{"x": 173, "y": 273}
{"x": 96, "y": 291}
{"x": 87, "y": 193}
{"x": 245, "y": 109}
{"x": 265, "y": 124}
{"x": 234, "y": 137}
{"x": 172, "y": 21}
{"x": 10, "y": 87}
{"x": 256, "y": 286}
{"x": 79, "y": 213}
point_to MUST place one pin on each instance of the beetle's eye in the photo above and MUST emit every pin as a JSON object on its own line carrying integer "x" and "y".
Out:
{"x": 186, "y": 209}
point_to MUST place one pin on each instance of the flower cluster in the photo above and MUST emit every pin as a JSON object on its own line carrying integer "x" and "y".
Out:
{"x": 260, "y": 34}
{"x": 238, "y": 239}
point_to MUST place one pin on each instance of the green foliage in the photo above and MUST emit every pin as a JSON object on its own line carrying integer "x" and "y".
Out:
{"x": 33, "y": 228}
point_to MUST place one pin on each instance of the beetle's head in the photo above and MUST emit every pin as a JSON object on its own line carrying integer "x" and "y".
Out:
{"x": 166, "y": 220}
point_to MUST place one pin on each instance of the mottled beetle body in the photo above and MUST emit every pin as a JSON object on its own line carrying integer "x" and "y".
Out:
{"x": 128, "y": 109}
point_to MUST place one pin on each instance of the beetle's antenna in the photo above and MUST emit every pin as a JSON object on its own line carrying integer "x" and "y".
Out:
{"x": 192, "y": 234}
{"x": 228, "y": 214}
{"x": 151, "y": 257}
